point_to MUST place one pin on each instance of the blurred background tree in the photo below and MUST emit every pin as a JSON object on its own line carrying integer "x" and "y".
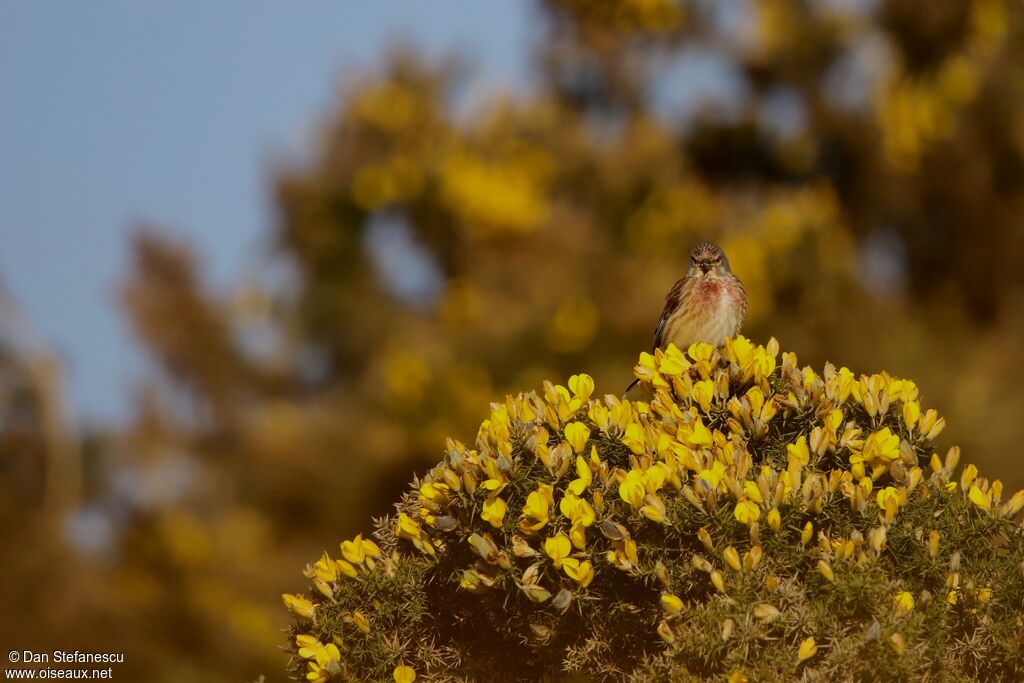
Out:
{"x": 859, "y": 161}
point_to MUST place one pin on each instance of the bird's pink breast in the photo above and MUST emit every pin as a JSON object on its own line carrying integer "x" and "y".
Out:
{"x": 709, "y": 293}
{"x": 710, "y": 310}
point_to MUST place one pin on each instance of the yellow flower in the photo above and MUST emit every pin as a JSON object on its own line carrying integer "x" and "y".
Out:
{"x": 1014, "y": 505}
{"x": 904, "y": 602}
{"x": 774, "y": 519}
{"x": 317, "y": 673}
{"x": 700, "y": 351}
{"x": 751, "y": 491}
{"x": 931, "y": 425}
{"x": 324, "y": 587}
{"x": 673, "y": 363}
{"x": 538, "y": 507}
{"x": 577, "y": 434}
{"x": 299, "y": 605}
{"x": 877, "y": 538}
{"x": 890, "y": 499}
{"x": 915, "y": 475}
{"x": 324, "y": 569}
{"x": 584, "y": 476}
{"x": 747, "y": 512}
{"x": 857, "y": 466}
{"x": 580, "y": 572}
{"x": 833, "y": 420}
{"x": 646, "y": 370}
{"x": 632, "y": 489}
{"x": 404, "y": 674}
{"x": 808, "y": 648}
{"x": 732, "y": 558}
{"x": 320, "y": 654}
{"x": 841, "y": 385}
{"x": 634, "y": 438}
{"x": 557, "y": 548}
{"x": 370, "y": 549}
{"x": 713, "y": 477}
{"x": 494, "y": 484}
{"x": 671, "y": 603}
{"x": 756, "y": 361}
{"x": 703, "y": 393}
{"x": 979, "y": 498}
{"x": 866, "y": 485}
{"x": 525, "y": 410}
{"x": 577, "y": 509}
{"x": 968, "y": 476}
{"x": 739, "y": 349}
{"x": 805, "y": 535}
{"x": 358, "y": 549}
{"x": 764, "y": 363}
{"x": 699, "y": 436}
{"x": 582, "y": 386}
{"x": 345, "y": 568}
{"x": 911, "y": 413}
{"x": 307, "y": 645}
{"x": 325, "y": 660}
{"x": 435, "y": 492}
{"x": 654, "y": 477}
{"x": 624, "y": 557}
{"x": 798, "y": 452}
{"x": 407, "y": 527}
{"x": 881, "y": 447}
{"x": 494, "y": 511}
{"x": 495, "y": 481}
{"x": 654, "y": 508}
{"x": 578, "y": 536}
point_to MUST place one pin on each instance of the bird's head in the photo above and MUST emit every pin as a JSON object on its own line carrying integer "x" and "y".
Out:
{"x": 708, "y": 261}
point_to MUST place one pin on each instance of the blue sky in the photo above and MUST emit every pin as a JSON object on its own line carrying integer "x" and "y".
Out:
{"x": 126, "y": 111}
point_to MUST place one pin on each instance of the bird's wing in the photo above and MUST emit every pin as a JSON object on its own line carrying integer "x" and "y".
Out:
{"x": 672, "y": 301}
{"x": 743, "y": 304}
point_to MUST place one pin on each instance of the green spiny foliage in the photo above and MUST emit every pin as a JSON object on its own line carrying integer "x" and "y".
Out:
{"x": 752, "y": 520}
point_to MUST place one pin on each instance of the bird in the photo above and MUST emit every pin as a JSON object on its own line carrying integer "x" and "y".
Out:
{"x": 707, "y": 304}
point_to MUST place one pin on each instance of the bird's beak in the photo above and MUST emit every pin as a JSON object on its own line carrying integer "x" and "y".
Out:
{"x": 704, "y": 268}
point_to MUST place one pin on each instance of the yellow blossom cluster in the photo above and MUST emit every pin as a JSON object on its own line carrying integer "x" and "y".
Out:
{"x": 497, "y": 197}
{"x": 744, "y": 485}
{"x": 916, "y": 110}
{"x": 357, "y": 555}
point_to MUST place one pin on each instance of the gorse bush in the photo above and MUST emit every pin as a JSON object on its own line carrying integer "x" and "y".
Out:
{"x": 754, "y": 520}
